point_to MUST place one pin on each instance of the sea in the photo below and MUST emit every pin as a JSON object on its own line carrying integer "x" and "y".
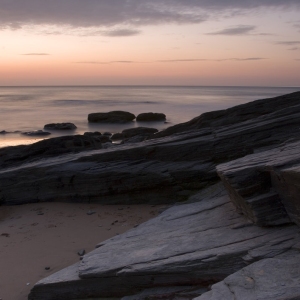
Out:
{"x": 29, "y": 108}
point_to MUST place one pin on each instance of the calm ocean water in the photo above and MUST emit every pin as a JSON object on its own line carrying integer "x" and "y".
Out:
{"x": 30, "y": 108}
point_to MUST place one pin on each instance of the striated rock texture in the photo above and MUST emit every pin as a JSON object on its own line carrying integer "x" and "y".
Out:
{"x": 111, "y": 117}
{"x": 266, "y": 186}
{"x": 194, "y": 244}
{"x": 268, "y": 279}
{"x": 162, "y": 170}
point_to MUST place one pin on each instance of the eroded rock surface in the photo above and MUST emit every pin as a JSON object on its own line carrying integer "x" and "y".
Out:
{"x": 266, "y": 186}
{"x": 194, "y": 244}
{"x": 268, "y": 279}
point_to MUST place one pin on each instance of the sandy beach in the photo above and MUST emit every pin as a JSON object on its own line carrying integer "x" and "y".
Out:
{"x": 37, "y": 240}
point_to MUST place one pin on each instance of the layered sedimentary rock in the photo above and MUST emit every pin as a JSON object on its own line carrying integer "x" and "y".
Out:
{"x": 162, "y": 170}
{"x": 194, "y": 244}
{"x": 265, "y": 186}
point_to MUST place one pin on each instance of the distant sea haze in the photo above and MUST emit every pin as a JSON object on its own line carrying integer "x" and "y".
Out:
{"x": 30, "y": 108}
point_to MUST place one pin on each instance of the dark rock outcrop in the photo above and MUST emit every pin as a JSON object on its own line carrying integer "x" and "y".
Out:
{"x": 14, "y": 156}
{"x": 193, "y": 244}
{"x": 111, "y": 117}
{"x": 60, "y": 126}
{"x": 161, "y": 170}
{"x": 142, "y": 133}
{"x": 151, "y": 117}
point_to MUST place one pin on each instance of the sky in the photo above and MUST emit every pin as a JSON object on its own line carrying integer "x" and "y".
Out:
{"x": 150, "y": 42}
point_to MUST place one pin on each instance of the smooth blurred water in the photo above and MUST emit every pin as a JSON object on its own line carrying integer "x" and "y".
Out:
{"x": 30, "y": 108}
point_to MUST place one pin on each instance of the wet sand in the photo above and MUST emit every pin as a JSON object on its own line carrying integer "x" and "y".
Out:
{"x": 37, "y": 240}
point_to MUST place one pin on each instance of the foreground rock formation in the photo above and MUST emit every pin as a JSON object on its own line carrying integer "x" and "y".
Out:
{"x": 195, "y": 244}
{"x": 236, "y": 239}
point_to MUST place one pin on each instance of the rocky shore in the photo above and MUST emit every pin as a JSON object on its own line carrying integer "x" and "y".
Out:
{"x": 232, "y": 232}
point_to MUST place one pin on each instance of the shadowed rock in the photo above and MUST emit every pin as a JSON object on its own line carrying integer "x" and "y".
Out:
{"x": 60, "y": 126}
{"x": 151, "y": 117}
{"x": 111, "y": 117}
{"x": 161, "y": 170}
{"x": 265, "y": 186}
{"x": 36, "y": 133}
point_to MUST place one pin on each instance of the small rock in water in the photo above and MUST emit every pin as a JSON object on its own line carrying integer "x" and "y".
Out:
{"x": 28, "y": 283}
{"x": 36, "y": 133}
{"x": 81, "y": 252}
{"x": 90, "y": 212}
{"x": 47, "y": 268}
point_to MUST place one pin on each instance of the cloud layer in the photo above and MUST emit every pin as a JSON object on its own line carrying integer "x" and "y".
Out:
{"x": 124, "y": 14}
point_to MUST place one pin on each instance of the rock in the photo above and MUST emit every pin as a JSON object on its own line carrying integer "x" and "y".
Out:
{"x": 81, "y": 252}
{"x": 107, "y": 133}
{"x": 264, "y": 186}
{"x": 268, "y": 279}
{"x": 111, "y": 117}
{"x": 11, "y": 156}
{"x": 128, "y": 133}
{"x": 164, "y": 170}
{"x": 60, "y": 126}
{"x": 117, "y": 136}
{"x": 187, "y": 245}
{"x": 151, "y": 117}
{"x": 36, "y": 133}
{"x": 133, "y": 135}
{"x": 178, "y": 292}
{"x": 96, "y": 133}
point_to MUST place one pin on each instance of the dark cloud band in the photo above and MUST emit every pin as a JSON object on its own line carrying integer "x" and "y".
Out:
{"x": 125, "y": 13}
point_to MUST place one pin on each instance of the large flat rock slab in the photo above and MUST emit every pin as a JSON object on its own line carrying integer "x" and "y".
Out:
{"x": 194, "y": 244}
{"x": 268, "y": 279}
{"x": 265, "y": 186}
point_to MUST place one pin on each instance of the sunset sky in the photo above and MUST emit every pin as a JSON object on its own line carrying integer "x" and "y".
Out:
{"x": 150, "y": 42}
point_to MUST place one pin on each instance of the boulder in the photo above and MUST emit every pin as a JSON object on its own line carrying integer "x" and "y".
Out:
{"x": 195, "y": 244}
{"x": 111, "y": 117}
{"x": 151, "y": 117}
{"x": 60, "y": 126}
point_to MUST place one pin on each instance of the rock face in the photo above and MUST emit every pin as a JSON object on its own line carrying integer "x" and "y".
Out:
{"x": 194, "y": 244}
{"x": 60, "y": 126}
{"x": 265, "y": 186}
{"x": 160, "y": 170}
{"x": 111, "y": 117}
{"x": 151, "y": 117}
{"x": 14, "y": 156}
{"x": 268, "y": 279}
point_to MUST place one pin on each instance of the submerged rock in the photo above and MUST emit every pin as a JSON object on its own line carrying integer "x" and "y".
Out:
{"x": 60, "y": 126}
{"x": 36, "y": 133}
{"x": 111, "y": 117}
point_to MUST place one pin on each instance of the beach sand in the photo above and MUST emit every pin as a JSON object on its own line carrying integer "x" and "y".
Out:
{"x": 37, "y": 240}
